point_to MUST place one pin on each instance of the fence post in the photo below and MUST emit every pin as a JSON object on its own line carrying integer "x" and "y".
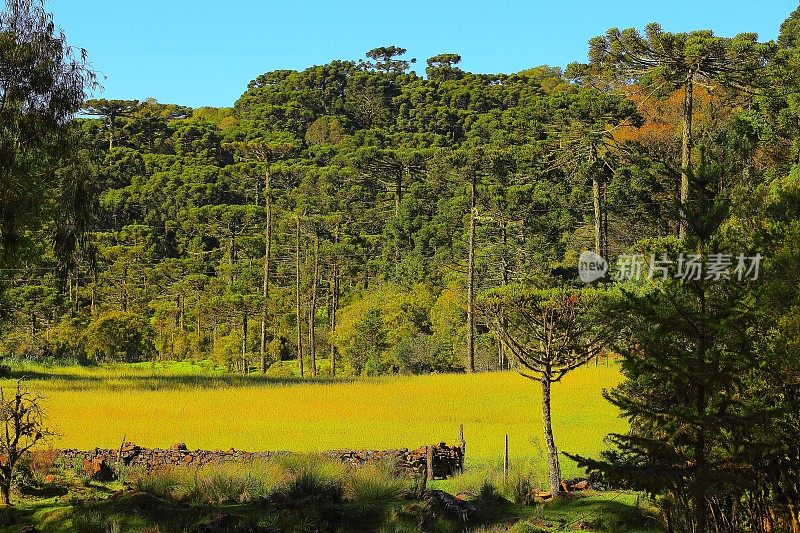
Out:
{"x": 505, "y": 461}
{"x": 429, "y": 461}
{"x": 463, "y": 448}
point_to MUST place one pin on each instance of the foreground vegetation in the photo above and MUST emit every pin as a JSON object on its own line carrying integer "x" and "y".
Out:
{"x": 301, "y": 494}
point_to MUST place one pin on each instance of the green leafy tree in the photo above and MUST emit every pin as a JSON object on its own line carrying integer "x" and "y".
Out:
{"x": 117, "y": 336}
{"x": 42, "y": 84}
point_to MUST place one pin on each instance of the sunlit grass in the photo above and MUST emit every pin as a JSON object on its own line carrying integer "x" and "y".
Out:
{"x": 158, "y": 406}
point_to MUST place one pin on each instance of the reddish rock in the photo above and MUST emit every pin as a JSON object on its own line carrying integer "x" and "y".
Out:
{"x": 580, "y": 485}
{"x": 98, "y": 469}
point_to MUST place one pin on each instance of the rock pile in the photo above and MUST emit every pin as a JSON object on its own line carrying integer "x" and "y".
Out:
{"x": 98, "y": 463}
{"x": 447, "y": 460}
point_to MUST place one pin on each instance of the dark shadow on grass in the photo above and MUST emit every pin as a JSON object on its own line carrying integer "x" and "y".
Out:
{"x": 166, "y": 382}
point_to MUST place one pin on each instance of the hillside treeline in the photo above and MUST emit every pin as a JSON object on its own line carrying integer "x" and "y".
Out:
{"x": 347, "y": 215}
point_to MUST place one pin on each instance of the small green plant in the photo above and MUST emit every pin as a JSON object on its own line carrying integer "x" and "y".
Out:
{"x": 521, "y": 487}
{"x": 375, "y": 482}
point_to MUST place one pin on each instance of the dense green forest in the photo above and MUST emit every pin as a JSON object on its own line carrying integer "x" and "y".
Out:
{"x": 377, "y": 192}
{"x": 378, "y": 202}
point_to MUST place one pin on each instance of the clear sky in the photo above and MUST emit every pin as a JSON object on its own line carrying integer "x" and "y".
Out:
{"x": 204, "y": 52}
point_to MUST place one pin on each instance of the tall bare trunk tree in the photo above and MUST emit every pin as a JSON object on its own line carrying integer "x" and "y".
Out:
{"x": 297, "y": 295}
{"x": 334, "y": 299}
{"x": 471, "y": 275}
{"x": 312, "y": 311}
{"x": 267, "y": 258}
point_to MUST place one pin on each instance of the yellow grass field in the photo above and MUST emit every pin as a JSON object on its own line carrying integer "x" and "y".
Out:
{"x": 158, "y": 407}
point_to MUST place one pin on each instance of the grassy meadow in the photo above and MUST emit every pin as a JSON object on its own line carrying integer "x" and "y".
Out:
{"x": 158, "y": 405}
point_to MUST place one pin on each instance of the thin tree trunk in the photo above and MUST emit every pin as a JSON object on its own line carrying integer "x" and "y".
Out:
{"x": 93, "y": 308}
{"x": 244, "y": 344}
{"x": 598, "y": 212}
{"x": 181, "y": 313}
{"x": 471, "y": 279}
{"x": 125, "y": 287}
{"x": 297, "y": 296}
{"x": 686, "y": 157}
{"x": 398, "y": 198}
{"x": 232, "y": 254}
{"x": 553, "y": 467}
{"x": 605, "y": 220}
{"x": 199, "y": 325}
{"x": 265, "y": 285}
{"x": 312, "y": 314}
{"x": 334, "y": 302}
{"x": 504, "y": 277}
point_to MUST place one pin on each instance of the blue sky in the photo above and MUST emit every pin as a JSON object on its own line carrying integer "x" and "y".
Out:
{"x": 204, "y": 52}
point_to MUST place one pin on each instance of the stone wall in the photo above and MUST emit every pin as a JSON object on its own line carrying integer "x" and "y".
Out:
{"x": 438, "y": 461}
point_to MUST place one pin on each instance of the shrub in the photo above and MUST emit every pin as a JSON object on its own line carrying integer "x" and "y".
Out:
{"x": 117, "y": 336}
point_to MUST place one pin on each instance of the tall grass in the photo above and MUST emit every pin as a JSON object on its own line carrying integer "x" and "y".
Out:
{"x": 290, "y": 478}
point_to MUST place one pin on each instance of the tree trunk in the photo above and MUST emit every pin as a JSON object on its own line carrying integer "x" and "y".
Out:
{"x": 312, "y": 314}
{"x": 553, "y": 467}
{"x": 199, "y": 325}
{"x": 504, "y": 278}
{"x": 686, "y": 157}
{"x": 471, "y": 279}
{"x": 244, "y": 344}
{"x": 111, "y": 120}
{"x": 265, "y": 285}
{"x": 297, "y": 296}
{"x": 604, "y": 243}
{"x": 232, "y": 255}
{"x": 182, "y": 313}
{"x": 398, "y": 199}
{"x": 125, "y": 287}
{"x": 5, "y": 490}
{"x": 598, "y": 208}
{"x": 334, "y": 302}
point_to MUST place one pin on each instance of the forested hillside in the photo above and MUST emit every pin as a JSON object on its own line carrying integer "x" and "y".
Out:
{"x": 353, "y": 210}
